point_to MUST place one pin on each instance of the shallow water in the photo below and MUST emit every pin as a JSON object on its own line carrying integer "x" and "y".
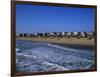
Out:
{"x": 40, "y": 56}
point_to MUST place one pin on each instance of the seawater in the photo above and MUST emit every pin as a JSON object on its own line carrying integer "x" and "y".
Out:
{"x": 41, "y": 57}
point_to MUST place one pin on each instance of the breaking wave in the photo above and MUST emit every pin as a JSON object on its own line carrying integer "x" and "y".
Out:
{"x": 49, "y": 57}
{"x": 68, "y": 49}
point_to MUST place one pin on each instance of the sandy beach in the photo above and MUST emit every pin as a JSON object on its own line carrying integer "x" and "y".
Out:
{"x": 74, "y": 41}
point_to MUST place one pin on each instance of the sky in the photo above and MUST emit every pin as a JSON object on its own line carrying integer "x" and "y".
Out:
{"x": 40, "y": 18}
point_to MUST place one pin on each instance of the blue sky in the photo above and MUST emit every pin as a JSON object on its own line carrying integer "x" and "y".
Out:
{"x": 39, "y": 18}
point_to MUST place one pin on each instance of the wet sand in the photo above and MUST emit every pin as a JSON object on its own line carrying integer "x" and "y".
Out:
{"x": 82, "y": 43}
{"x": 70, "y": 41}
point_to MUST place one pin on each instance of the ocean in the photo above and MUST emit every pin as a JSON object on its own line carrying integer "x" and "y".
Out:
{"x": 43, "y": 56}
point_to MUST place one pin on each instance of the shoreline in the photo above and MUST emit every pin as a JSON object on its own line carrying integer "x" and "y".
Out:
{"x": 71, "y": 42}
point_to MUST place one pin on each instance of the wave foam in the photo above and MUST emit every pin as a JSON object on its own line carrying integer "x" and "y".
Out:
{"x": 66, "y": 48}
